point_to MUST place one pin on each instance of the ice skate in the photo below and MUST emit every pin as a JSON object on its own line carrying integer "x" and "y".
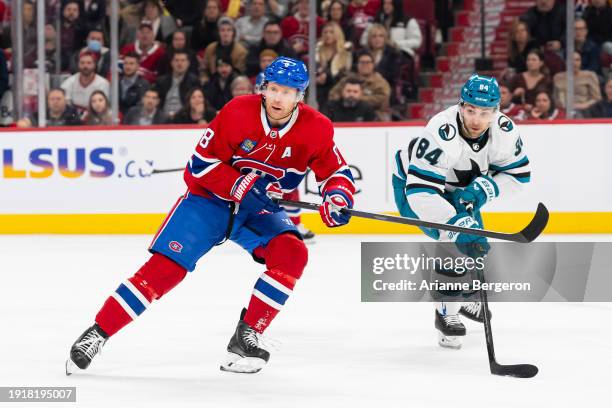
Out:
{"x": 307, "y": 235}
{"x": 85, "y": 349}
{"x": 244, "y": 354}
{"x": 473, "y": 311}
{"x": 450, "y": 330}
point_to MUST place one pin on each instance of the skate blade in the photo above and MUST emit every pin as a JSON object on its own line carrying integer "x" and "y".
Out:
{"x": 235, "y": 363}
{"x": 71, "y": 367}
{"x": 451, "y": 342}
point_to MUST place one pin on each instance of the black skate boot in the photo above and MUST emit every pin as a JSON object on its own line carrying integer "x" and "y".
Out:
{"x": 244, "y": 354}
{"x": 450, "y": 329}
{"x": 473, "y": 311}
{"x": 85, "y": 348}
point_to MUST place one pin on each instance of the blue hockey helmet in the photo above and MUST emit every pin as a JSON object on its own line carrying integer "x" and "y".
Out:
{"x": 288, "y": 72}
{"x": 482, "y": 91}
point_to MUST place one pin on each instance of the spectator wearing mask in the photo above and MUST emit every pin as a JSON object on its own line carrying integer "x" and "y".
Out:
{"x": 150, "y": 52}
{"x": 194, "y": 111}
{"x": 218, "y": 89}
{"x": 174, "y": 87}
{"x": 376, "y": 90}
{"x": 206, "y": 31}
{"x": 272, "y": 40}
{"x": 148, "y": 112}
{"x": 603, "y": 108}
{"x": 350, "y": 107}
{"x": 95, "y": 45}
{"x": 227, "y": 48}
{"x": 131, "y": 85}
{"x": 99, "y": 112}
{"x": 586, "y": 87}
{"x": 81, "y": 85}
{"x": 249, "y": 28}
{"x": 59, "y": 112}
{"x": 544, "y": 108}
{"x": 589, "y": 50}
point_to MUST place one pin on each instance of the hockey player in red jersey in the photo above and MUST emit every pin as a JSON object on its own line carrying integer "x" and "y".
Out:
{"x": 257, "y": 148}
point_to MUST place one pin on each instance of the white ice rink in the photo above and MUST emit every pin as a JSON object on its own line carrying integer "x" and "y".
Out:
{"x": 336, "y": 352}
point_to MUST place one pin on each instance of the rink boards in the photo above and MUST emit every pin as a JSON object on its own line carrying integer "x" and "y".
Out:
{"x": 99, "y": 180}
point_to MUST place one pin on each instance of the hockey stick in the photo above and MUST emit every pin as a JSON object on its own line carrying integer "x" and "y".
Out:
{"x": 527, "y": 234}
{"x": 510, "y": 370}
{"x": 156, "y": 171}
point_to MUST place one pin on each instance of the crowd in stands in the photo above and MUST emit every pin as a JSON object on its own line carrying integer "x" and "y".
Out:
{"x": 182, "y": 61}
{"x": 535, "y": 84}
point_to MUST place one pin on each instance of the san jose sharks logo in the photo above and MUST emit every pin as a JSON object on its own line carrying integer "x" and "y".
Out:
{"x": 505, "y": 124}
{"x": 447, "y": 131}
{"x": 465, "y": 177}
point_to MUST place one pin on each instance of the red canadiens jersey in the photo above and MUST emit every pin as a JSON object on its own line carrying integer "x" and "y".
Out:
{"x": 240, "y": 141}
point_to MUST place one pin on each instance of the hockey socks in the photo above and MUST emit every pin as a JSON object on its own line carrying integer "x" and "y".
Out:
{"x": 285, "y": 256}
{"x": 156, "y": 278}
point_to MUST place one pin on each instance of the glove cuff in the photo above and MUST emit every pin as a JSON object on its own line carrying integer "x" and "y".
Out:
{"x": 242, "y": 186}
{"x": 488, "y": 186}
{"x": 461, "y": 220}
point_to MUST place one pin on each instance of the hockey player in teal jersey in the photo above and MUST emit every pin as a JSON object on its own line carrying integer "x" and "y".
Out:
{"x": 467, "y": 156}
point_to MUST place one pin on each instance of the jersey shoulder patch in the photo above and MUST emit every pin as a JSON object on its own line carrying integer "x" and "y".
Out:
{"x": 505, "y": 124}
{"x": 447, "y": 131}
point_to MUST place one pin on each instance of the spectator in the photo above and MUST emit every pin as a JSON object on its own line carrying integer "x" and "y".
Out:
{"x": 376, "y": 90}
{"x": 186, "y": 12}
{"x": 404, "y": 32}
{"x": 174, "y": 87}
{"x": 218, "y": 89}
{"x": 4, "y": 75}
{"x": 81, "y": 85}
{"x": 194, "y": 111}
{"x": 163, "y": 26}
{"x": 544, "y": 108}
{"x": 295, "y": 28}
{"x": 29, "y": 34}
{"x": 226, "y": 48}
{"x": 336, "y": 12}
{"x": 249, "y": 28}
{"x": 148, "y": 112}
{"x": 333, "y": 60}
{"x": 206, "y": 32}
{"x": 546, "y": 22}
{"x": 603, "y": 108}
{"x": 272, "y": 40}
{"x": 95, "y": 45}
{"x": 350, "y": 107}
{"x": 98, "y": 112}
{"x": 589, "y": 51}
{"x": 265, "y": 58}
{"x": 241, "y": 85}
{"x": 507, "y": 107}
{"x": 92, "y": 13}
{"x": 519, "y": 44}
{"x": 361, "y": 13}
{"x": 50, "y": 49}
{"x": 150, "y": 51}
{"x": 72, "y": 32}
{"x": 598, "y": 16}
{"x": 527, "y": 84}
{"x": 387, "y": 58}
{"x": 178, "y": 42}
{"x": 131, "y": 85}
{"x": 277, "y": 8}
{"x": 586, "y": 87}
{"x": 59, "y": 112}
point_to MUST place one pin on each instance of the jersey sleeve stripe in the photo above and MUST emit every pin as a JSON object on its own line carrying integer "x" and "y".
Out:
{"x": 521, "y": 163}
{"x": 198, "y": 168}
{"x": 414, "y": 188}
{"x": 426, "y": 175}
{"x": 522, "y": 177}
{"x": 401, "y": 173}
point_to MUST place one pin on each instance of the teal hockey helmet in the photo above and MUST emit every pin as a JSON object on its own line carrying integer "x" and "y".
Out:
{"x": 482, "y": 91}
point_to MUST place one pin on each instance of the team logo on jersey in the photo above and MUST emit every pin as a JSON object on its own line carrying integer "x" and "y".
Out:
{"x": 447, "y": 131}
{"x": 505, "y": 124}
{"x": 175, "y": 246}
{"x": 247, "y": 145}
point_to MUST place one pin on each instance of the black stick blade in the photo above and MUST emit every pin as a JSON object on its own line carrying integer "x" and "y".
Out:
{"x": 514, "y": 370}
{"x": 536, "y": 226}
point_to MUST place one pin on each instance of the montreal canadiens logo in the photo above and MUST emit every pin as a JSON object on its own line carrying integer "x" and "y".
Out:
{"x": 175, "y": 246}
{"x": 505, "y": 124}
{"x": 447, "y": 131}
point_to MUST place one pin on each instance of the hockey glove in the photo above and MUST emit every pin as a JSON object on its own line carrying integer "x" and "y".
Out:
{"x": 479, "y": 192}
{"x": 334, "y": 200}
{"x": 473, "y": 246}
{"x": 255, "y": 194}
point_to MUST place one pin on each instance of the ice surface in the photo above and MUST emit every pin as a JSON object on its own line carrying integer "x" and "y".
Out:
{"x": 336, "y": 350}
